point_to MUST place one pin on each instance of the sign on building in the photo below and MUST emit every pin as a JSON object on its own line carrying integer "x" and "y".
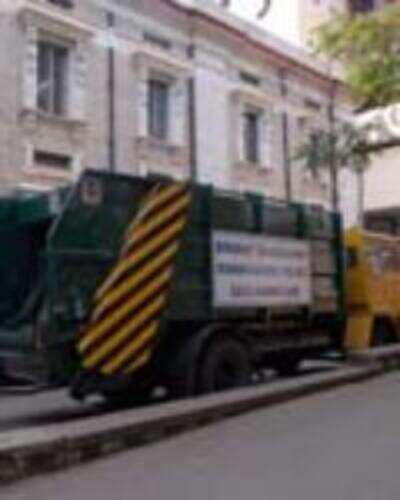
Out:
{"x": 260, "y": 271}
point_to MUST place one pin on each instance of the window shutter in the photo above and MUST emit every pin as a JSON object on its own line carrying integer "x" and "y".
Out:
{"x": 77, "y": 69}
{"x": 30, "y": 76}
{"x": 44, "y": 79}
{"x": 178, "y": 112}
{"x": 273, "y": 138}
{"x": 265, "y": 139}
{"x": 142, "y": 89}
{"x": 241, "y": 132}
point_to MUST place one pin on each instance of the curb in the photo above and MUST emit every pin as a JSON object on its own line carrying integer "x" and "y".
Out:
{"x": 27, "y": 453}
{"x": 386, "y": 358}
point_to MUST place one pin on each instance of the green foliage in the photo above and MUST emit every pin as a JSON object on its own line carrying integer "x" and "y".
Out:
{"x": 369, "y": 48}
{"x": 347, "y": 146}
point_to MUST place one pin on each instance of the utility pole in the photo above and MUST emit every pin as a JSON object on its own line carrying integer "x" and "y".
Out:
{"x": 192, "y": 119}
{"x": 285, "y": 139}
{"x": 111, "y": 93}
{"x": 333, "y": 167}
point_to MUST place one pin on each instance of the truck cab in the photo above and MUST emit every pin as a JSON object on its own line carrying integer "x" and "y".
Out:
{"x": 373, "y": 289}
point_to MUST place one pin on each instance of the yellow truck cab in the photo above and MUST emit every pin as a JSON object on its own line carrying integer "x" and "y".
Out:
{"x": 372, "y": 289}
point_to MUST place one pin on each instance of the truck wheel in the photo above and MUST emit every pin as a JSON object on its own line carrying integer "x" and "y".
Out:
{"x": 287, "y": 366}
{"x": 226, "y": 365}
{"x": 126, "y": 399}
{"x": 382, "y": 335}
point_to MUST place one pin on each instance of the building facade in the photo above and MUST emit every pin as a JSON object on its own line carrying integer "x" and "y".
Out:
{"x": 155, "y": 86}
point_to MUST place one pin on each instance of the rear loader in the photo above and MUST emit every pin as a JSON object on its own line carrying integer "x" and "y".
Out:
{"x": 147, "y": 282}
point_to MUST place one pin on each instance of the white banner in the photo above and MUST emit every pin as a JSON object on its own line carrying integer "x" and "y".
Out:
{"x": 260, "y": 271}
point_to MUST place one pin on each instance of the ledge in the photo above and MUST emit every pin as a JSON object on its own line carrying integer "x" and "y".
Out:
{"x": 37, "y": 114}
{"x": 256, "y": 96}
{"x": 71, "y": 27}
{"x": 255, "y": 168}
{"x": 149, "y": 56}
{"x": 44, "y": 173}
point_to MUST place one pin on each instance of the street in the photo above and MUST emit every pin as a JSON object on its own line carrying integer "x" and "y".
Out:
{"x": 340, "y": 445}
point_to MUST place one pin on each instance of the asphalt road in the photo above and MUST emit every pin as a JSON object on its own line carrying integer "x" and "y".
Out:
{"x": 340, "y": 445}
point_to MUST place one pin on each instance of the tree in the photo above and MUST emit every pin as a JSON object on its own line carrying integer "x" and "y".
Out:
{"x": 368, "y": 48}
{"x": 348, "y": 145}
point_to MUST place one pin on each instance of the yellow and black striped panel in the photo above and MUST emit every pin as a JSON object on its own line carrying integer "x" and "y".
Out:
{"x": 122, "y": 331}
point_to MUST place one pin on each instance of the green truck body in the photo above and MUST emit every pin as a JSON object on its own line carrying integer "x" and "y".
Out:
{"x": 58, "y": 250}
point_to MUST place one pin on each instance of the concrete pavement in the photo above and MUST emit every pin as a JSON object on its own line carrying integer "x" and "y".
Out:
{"x": 340, "y": 445}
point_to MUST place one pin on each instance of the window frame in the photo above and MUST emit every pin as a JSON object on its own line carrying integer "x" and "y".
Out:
{"x": 251, "y": 130}
{"x": 158, "y": 107}
{"x": 362, "y": 6}
{"x": 65, "y": 4}
{"x": 51, "y": 160}
{"x": 53, "y": 86}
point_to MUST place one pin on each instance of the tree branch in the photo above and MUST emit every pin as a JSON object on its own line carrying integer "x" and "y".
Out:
{"x": 378, "y": 147}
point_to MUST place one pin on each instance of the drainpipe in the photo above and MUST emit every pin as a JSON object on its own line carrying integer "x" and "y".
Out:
{"x": 192, "y": 120}
{"x": 285, "y": 140}
{"x": 333, "y": 157}
{"x": 111, "y": 94}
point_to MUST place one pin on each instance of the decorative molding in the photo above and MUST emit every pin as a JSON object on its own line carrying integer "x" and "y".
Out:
{"x": 148, "y": 56}
{"x": 48, "y": 17}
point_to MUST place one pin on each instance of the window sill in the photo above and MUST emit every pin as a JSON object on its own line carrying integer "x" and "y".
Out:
{"x": 47, "y": 173}
{"x": 54, "y": 119}
{"x": 254, "y": 167}
{"x": 160, "y": 144}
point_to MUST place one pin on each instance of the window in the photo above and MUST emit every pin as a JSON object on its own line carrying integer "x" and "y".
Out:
{"x": 62, "y": 3}
{"x": 158, "y": 112}
{"x": 317, "y": 153}
{"x": 251, "y": 137}
{"x": 361, "y": 6}
{"x": 52, "y": 160}
{"x": 157, "y": 41}
{"x": 311, "y": 104}
{"x": 52, "y": 78}
{"x": 249, "y": 78}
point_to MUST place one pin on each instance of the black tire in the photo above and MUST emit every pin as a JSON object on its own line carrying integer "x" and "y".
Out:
{"x": 288, "y": 366}
{"x": 127, "y": 399}
{"x": 226, "y": 365}
{"x": 382, "y": 335}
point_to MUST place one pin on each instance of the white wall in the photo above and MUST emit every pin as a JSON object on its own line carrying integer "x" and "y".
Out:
{"x": 212, "y": 110}
{"x": 382, "y": 184}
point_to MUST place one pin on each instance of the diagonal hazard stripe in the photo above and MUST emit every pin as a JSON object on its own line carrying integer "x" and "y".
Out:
{"x": 154, "y": 223}
{"x": 114, "y": 296}
{"x": 127, "y": 308}
{"x": 138, "y": 255}
{"x": 127, "y": 329}
{"x": 142, "y": 360}
{"x": 101, "y": 328}
{"x": 123, "y": 356}
{"x": 143, "y": 210}
{"x": 157, "y": 198}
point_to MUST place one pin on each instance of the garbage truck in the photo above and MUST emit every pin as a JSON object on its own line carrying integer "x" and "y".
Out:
{"x": 119, "y": 284}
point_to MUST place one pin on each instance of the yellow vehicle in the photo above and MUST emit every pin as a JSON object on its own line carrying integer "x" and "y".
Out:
{"x": 372, "y": 289}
